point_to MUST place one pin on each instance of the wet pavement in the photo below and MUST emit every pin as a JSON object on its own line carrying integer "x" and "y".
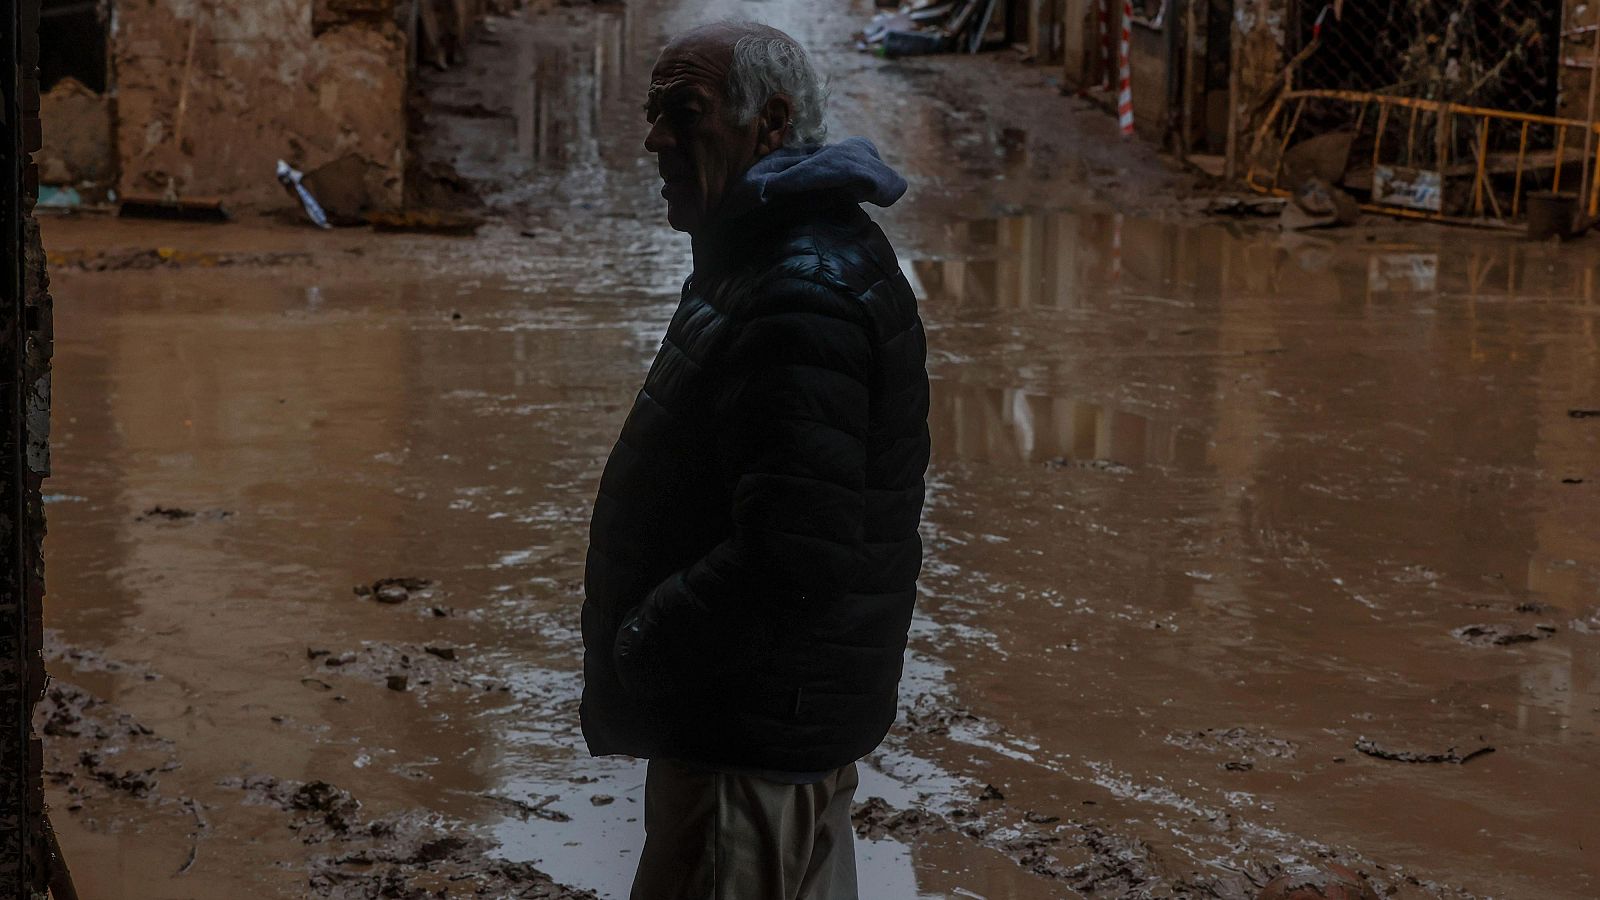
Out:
{"x": 1224, "y": 526}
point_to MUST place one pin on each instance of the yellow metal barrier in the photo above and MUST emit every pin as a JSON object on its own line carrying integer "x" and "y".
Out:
{"x": 1524, "y": 168}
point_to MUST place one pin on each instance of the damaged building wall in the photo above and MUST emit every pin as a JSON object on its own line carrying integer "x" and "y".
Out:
{"x": 1257, "y": 49}
{"x": 24, "y": 462}
{"x": 211, "y": 94}
{"x": 1580, "y": 25}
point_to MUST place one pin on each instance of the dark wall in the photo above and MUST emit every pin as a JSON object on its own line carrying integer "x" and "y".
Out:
{"x": 24, "y": 455}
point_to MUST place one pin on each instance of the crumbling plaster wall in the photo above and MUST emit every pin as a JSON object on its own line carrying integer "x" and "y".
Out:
{"x": 211, "y": 93}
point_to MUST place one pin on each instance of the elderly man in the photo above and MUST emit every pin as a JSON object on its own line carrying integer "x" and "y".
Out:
{"x": 754, "y": 550}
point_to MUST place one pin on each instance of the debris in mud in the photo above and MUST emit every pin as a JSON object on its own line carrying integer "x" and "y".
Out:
{"x": 426, "y": 221}
{"x": 875, "y": 820}
{"x": 403, "y": 856}
{"x": 94, "y": 749}
{"x": 1245, "y": 207}
{"x": 1318, "y": 204}
{"x": 1572, "y": 481}
{"x": 601, "y": 800}
{"x": 293, "y": 181}
{"x": 121, "y": 260}
{"x": 990, "y": 792}
{"x": 1333, "y": 882}
{"x": 83, "y": 659}
{"x": 393, "y": 590}
{"x": 926, "y": 716}
{"x": 929, "y": 28}
{"x": 403, "y": 667}
{"x": 1496, "y": 635}
{"x": 1109, "y": 466}
{"x": 1584, "y": 413}
{"x": 1233, "y": 740}
{"x": 327, "y": 808}
{"x": 183, "y": 209}
{"x": 539, "y": 810}
{"x": 345, "y": 187}
{"x": 178, "y": 514}
{"x": 138, "y": 782}
{"x": 1450, "y": 755}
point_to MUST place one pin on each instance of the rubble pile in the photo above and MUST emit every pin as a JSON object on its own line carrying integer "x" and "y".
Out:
{"x": 929, "y": 26}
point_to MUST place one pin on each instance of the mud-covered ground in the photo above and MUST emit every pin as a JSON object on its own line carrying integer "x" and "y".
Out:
{"x": 1246, "y": 551}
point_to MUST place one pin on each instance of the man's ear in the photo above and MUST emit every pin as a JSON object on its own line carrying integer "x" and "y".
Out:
{"x": 773, "y": 124}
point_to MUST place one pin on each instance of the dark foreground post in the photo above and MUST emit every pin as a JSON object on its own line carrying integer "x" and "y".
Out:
{"x": 24, "y": 458}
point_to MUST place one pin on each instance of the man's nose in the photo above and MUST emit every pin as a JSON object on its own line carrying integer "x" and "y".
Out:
{"x": 658, "y": 138}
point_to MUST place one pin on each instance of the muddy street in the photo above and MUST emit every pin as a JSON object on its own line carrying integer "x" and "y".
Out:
{"x": 1247, "y": 550}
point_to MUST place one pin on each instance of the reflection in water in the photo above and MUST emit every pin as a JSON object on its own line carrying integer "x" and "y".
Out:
{"x": 1372, "y": 448}
{"x": 562, "y": 88}
{"x": 1010, "y": 425}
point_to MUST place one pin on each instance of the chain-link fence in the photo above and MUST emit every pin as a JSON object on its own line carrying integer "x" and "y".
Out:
{"x": 1497, "y": 54}
{"x": 1449, "y": 108}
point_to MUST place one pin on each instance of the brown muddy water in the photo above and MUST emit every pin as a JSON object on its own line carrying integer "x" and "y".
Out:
{"x": 1224, "y": 527}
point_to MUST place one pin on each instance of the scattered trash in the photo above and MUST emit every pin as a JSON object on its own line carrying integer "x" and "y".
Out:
{"x": 990, "y": 792}
{"x": 178, "y": 514}
{"x": 426, "y": 221}
{"x": 1495, "y": 635}
{"x": 1324, "y": 157}
{"x": 1110, "y": 466}
{"x": 602, "y": 800}
{"x": 396, "y": 682}
{"x": 393, "y": 590}
{"x": 1318, "y": 204}
{"x": 538, "y": 810}
{"x": 875, "y": 819}
{"x": 1584, "y": 413}
{"x": 186, "y": 209}
{"x": 445, "y": 653}
{"x": 166, "y": 512}
{"x": 1333, "y": 882}
{"x": 342, "y": 188}
{"x": 1552, "y": 214}
{"x": 53, "y": 197}
{"x": 929, "y": 26}
{"x": 291, "y": 179}
{"x": 1450, "y": 755}
{"x": 1245, "y": 207}
{"x": 1572, "y": 481}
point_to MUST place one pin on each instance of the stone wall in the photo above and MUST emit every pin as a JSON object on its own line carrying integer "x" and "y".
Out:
{"x": 211, "y": 94}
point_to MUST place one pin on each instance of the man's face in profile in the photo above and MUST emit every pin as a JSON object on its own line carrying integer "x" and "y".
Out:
{"x": 699, "y": 151}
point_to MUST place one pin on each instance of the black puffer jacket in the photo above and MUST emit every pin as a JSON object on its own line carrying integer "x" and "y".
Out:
{"x": 754, "y": 550}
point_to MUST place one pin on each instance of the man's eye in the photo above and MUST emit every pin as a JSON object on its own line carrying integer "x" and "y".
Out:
{"x": 684, "y": 115}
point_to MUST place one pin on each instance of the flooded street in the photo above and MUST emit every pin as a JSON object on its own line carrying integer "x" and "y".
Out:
{"x": 1243, "y": 547}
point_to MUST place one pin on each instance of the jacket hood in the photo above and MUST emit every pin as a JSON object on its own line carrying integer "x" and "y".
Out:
{"x": 850, "y": 171}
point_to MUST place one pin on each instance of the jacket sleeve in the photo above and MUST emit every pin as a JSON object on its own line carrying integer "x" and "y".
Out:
{"x": 793, "y": 414}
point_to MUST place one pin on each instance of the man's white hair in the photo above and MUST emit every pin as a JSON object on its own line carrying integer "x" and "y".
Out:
{"x": 767, "y": 62}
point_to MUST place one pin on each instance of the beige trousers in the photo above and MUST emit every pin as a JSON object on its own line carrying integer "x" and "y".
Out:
{"x": 713, "y": 836}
